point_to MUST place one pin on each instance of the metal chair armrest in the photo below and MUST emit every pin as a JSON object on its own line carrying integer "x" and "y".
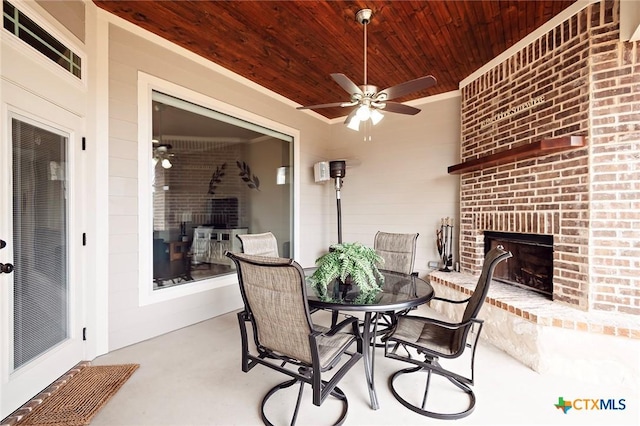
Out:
{"x": 353, "y": 321}
{"x": 444, "y": 324}
{"x": 443, "y": 299}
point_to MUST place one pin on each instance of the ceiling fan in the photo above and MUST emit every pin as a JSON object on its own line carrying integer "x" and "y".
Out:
{"x": 366, "y": 99}
{"x": 162, "y": 154}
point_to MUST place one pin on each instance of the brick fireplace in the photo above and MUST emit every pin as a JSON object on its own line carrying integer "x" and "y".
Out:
{"x": 576, "y": 81}
{"x": 587, "y": 83}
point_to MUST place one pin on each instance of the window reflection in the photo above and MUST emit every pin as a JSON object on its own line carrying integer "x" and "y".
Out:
{"x": 213, "y": 177}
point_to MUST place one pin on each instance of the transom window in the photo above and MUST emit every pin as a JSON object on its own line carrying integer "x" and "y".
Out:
{"x": 18, "y": 24}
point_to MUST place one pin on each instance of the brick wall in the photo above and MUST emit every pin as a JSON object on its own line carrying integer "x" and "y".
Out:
{"x": 578, "y": 79}
{"x": 615, "y": 166}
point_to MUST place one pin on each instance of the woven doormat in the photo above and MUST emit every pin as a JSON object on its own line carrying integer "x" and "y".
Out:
{"x": 77, "y": 401}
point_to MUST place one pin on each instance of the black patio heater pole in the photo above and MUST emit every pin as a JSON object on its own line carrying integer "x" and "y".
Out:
{"x": 337, "y": 170}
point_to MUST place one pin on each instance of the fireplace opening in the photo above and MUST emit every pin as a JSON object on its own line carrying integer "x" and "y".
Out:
{"x": 531, "y": 266}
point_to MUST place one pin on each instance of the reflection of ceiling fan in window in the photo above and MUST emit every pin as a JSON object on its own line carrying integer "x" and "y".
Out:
{"x": 162, "y": 154}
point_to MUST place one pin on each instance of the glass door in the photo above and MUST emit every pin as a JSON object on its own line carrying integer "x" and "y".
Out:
{"x": 41, "y": 303}
{"x": 40, "y": 279}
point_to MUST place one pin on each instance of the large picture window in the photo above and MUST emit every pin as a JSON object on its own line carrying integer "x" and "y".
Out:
{"x": 213, "y": 177}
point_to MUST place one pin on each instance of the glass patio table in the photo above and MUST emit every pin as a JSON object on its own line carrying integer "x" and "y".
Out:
{"x": 399, "y": 292}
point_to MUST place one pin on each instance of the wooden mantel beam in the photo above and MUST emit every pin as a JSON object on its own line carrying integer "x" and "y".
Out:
{"x": 534, "y": 149}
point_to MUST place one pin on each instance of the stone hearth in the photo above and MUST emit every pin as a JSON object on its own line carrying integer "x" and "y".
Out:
{"x": 547, "y": 336}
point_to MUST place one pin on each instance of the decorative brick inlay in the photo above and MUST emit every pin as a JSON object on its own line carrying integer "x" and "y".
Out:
{"x": 586, "y": 198}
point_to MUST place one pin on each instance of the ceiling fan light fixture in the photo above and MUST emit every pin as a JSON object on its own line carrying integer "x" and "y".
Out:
{"x": 376, "y": 116}
{"x": 354, "y": 123}
{"x": 364, "y": 112}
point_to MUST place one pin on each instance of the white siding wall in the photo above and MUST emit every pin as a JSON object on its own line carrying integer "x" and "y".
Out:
{"x": 128, "y": 54}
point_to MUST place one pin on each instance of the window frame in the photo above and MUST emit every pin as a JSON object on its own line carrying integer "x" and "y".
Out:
{"x": 146, "y": 85}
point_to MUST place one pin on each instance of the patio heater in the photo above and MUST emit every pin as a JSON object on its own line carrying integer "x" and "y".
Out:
{"x": 337, "y": 170}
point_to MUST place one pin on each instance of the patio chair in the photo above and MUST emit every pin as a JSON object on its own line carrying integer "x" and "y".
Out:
{"x": 399, "y": 254}
{"x": 275, "y": 305}
{"x": 433, "y": 339}
{"x": 397, "y": 250}
{"x": 264, "y": 244}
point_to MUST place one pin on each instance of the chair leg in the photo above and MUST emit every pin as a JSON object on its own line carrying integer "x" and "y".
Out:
{"x": 421, "y": 410}
{"x": 295, "y": 413}
{"x": 271, "y": 392}
{"x": 336, "y": 392}
{"x": 426, "y": 390}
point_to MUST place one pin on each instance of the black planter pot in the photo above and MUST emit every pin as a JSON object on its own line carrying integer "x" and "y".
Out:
{"x": 346, "y": 290}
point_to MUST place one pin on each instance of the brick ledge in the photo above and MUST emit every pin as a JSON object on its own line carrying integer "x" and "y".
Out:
{"x": 539, "y": 310}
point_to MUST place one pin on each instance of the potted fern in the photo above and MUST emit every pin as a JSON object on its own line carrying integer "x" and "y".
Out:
{"x": 350, "y": 264}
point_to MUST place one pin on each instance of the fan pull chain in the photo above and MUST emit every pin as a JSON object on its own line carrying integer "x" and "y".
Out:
{"x": 366, "y": 137}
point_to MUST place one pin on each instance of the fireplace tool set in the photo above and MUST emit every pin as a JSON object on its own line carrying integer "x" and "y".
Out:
{"x": 444, "y": 241}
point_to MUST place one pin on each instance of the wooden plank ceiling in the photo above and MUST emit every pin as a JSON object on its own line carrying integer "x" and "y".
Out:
{"x": 291, "y": 47}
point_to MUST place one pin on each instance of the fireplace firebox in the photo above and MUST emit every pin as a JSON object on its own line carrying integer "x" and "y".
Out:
{"x": 531, "y": 266}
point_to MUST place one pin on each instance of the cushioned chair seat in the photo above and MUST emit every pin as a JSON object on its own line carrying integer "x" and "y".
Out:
{"x": 423, "y": 334}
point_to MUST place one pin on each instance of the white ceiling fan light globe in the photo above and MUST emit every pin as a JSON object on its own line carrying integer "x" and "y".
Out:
{"x": 166, "y": 163}
{"x": 364, "y": 113}
{"x": 354, "y": 123}
{"x": 376, "y": 116}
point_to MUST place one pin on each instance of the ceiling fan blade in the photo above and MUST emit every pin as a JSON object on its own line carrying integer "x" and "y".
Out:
{"x": 407, "y": 87}
{"x": 400, "y": 108}
{"x": 331, "y": 105}
{"x": 348, "y": 85}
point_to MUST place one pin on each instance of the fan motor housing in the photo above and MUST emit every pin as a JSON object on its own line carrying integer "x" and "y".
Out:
{"x": 369, "y": 90}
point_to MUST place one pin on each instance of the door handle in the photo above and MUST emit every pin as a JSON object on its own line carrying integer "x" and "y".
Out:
{"x": 5, "y": 268}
